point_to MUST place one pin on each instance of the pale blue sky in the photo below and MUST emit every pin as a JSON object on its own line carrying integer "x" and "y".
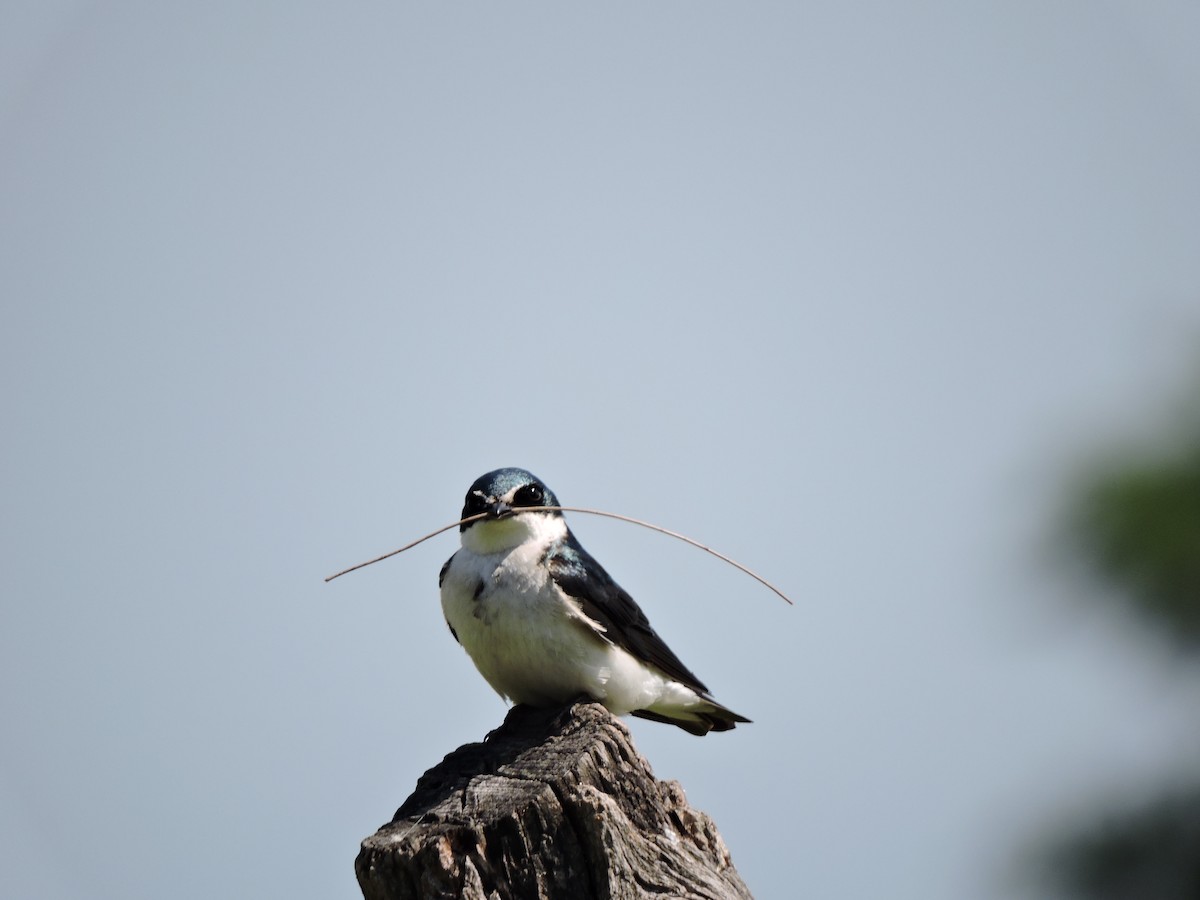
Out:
{"x": 844, "y": 290}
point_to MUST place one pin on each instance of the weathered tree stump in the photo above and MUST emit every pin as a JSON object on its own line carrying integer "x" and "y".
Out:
{"x": 553, "y": 804}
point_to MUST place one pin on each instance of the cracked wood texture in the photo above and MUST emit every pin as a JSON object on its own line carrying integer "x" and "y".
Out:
{"x": 553, "y": 804}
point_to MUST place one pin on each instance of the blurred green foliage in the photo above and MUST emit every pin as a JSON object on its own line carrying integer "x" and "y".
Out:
{"x": 1152, "y": 853}
{"x": 1138, "y": 524}
{"x": 1142, "y": 526}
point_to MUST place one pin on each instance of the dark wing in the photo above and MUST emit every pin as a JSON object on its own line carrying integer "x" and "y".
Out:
{"x": 441, "y": 578}
{"x": 603, "y": 600}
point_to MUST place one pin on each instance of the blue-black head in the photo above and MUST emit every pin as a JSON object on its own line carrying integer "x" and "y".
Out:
{"x": 504, "y": 493}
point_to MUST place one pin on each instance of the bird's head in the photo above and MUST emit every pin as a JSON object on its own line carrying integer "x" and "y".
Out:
{"x": 514, "y": 502}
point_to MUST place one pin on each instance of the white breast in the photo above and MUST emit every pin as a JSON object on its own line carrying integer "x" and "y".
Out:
{"x": 530, "y": 641}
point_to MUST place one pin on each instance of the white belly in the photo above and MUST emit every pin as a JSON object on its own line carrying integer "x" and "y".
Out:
{"x": 531, "y": 643}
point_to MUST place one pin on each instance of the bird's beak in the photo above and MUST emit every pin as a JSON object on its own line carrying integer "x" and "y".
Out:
{"x": 500, "y": 510}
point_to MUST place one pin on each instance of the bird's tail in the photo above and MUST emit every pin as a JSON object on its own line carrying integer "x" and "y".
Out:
{"x": 708, "y": 715}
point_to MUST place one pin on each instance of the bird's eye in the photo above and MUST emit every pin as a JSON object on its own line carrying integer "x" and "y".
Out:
{"x": 530, "y": 495}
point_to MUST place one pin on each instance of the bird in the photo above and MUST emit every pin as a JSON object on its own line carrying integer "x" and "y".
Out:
{"x": 544, "y": 623}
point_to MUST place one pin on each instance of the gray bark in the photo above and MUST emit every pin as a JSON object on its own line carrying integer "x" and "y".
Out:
{"x": 553, "y": 804}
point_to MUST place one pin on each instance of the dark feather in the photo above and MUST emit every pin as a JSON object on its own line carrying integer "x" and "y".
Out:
{"x": 603, "y": 600}
{"x": 441, "y": 578}
{"x": 700, "y": 726}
